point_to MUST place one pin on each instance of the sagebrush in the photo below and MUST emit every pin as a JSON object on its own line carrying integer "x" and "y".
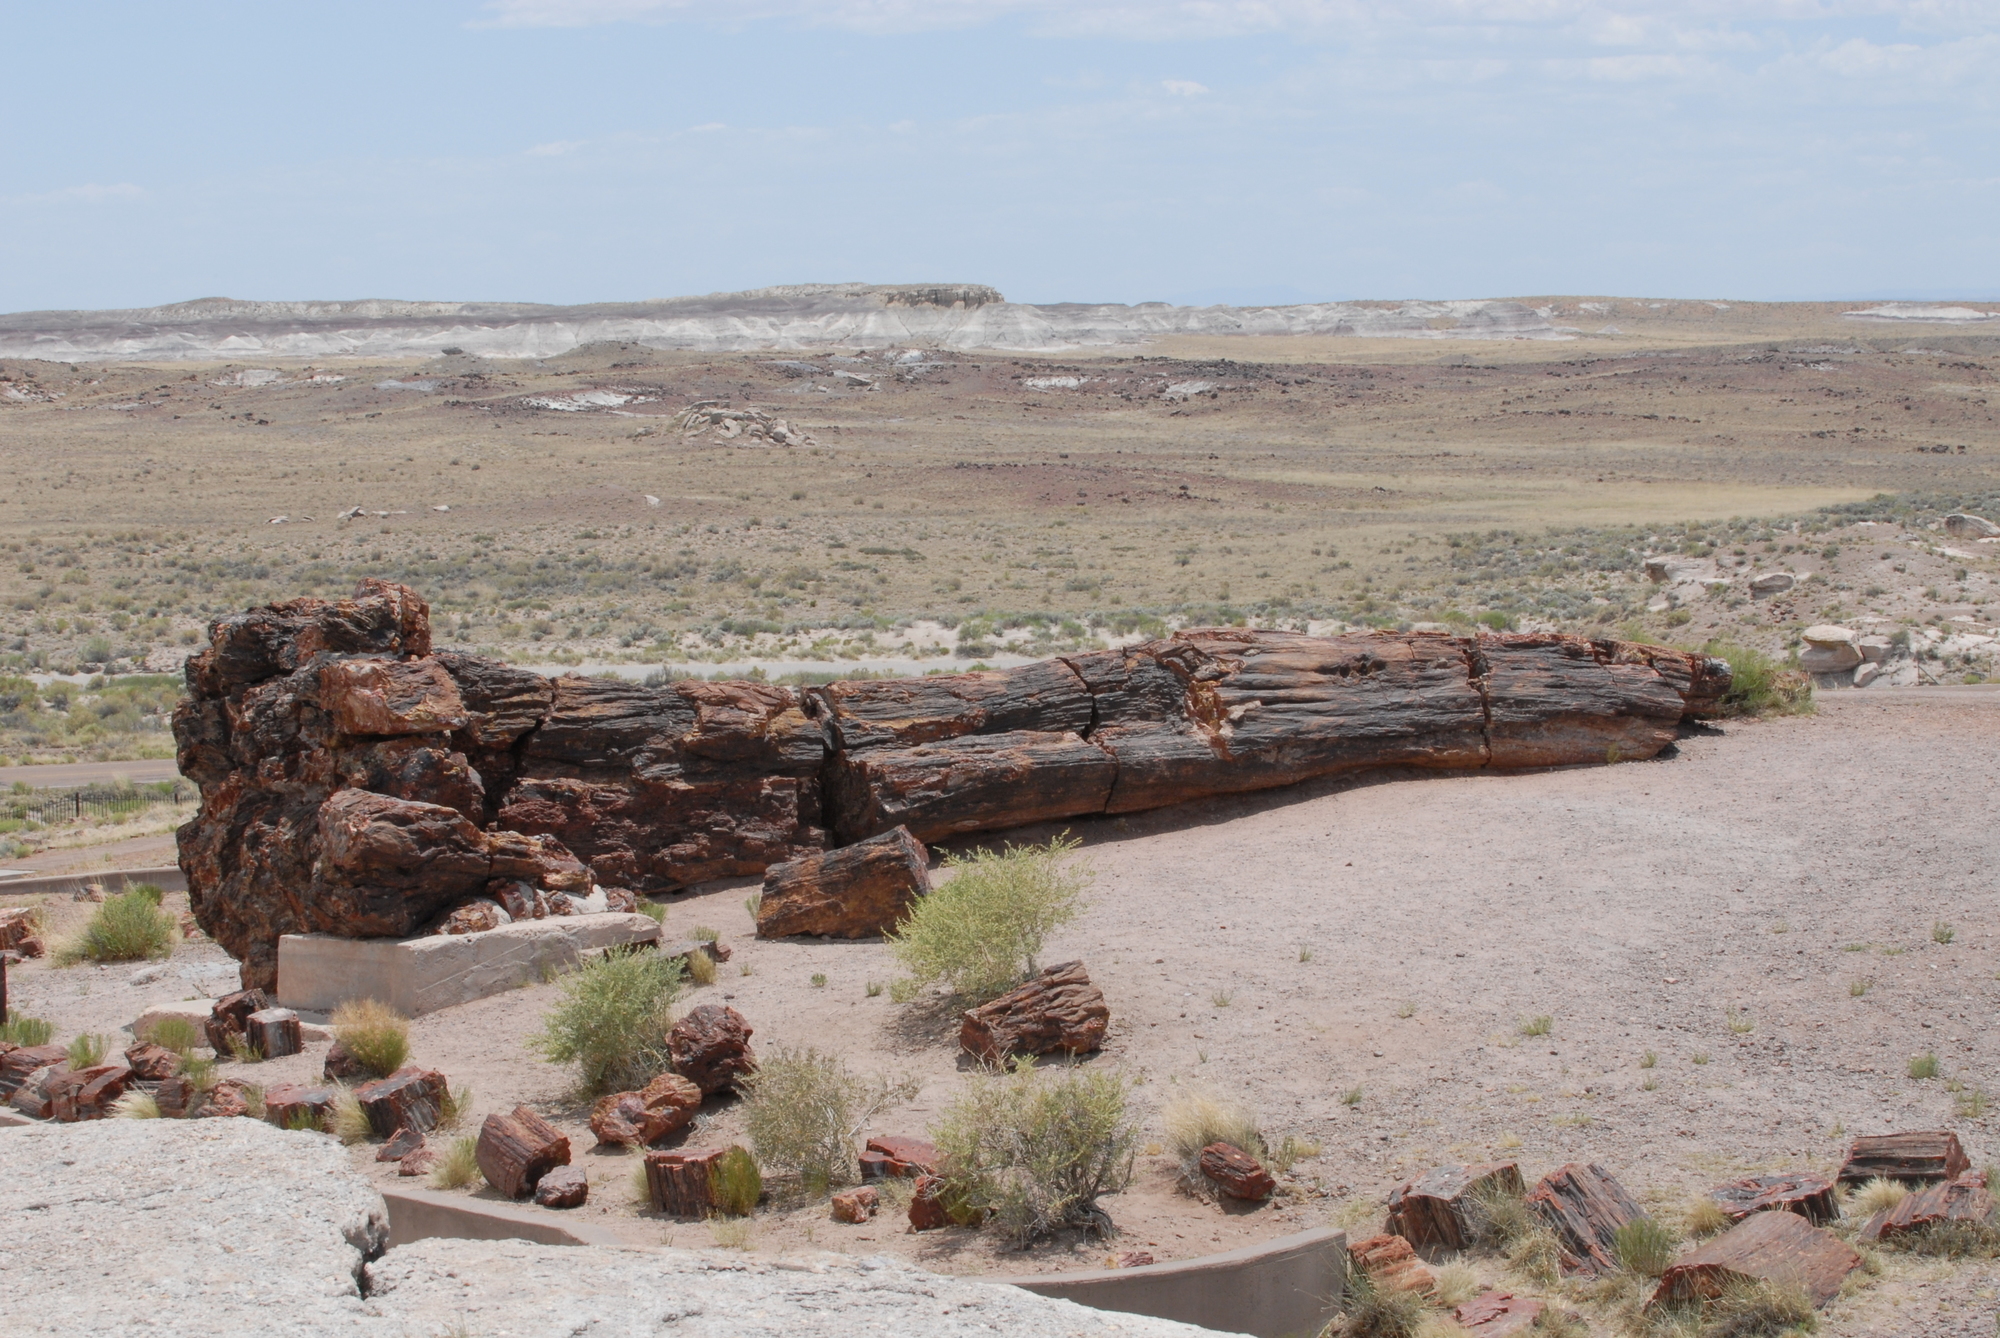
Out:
{"x": 802, "y": 1110}
{"x": 612, "y": 1020}
{"x": 981, "y": 931}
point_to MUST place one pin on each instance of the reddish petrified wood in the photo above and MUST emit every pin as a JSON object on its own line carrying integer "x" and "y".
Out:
{"x": 1964, "y": 1199}
{"x": 174, "y": 1096}
{"x": 390, "y": 697}
{"x": 1444, "y": 1207}
{"x": 1496, "y": 1314}
{"x": 1584, "y": 1206}
{"x": 1235, "y": 1172}
{"x": 978, "y": 783}
{"x": 1766, "y": 1247}
{"x": 1392, "y": 1263}
{"x": 1810, "y": 1196}
{"x": 341, "y": 1066}
{"x": 295, "y": 1106}
{"x": 678, "y": 1181}
{"x": 34, "y": 1095}
{"x": 1555, "y": 700}
{"x": 1131, "y": 1259}
{"x": 230, "y": 1016}
{"x": 17, "y": 932}
{"x": 856, "y": 1205}
{"x": 859, "y": 890}
{"x": 563, "y": 1187}
{"x": 410, "y": 1098}
{"x": 422, "y": 1161}
{"x": 927, "y": 1210}
{"x": 515, "y": 1151}
{"x": 87, "y": 1094}
{"x": 1059, "y": 1010}
{"x": 274, "y": 1032}
{"x": 710, "y": 1047}
{"x": 228, "y": 1099}
{"x": 1931, "y": 1155}
{"x": 17, "y": 1064}
{"x": 895, "y": 1155}
{"x": 150, "y": 1062}
{"x": 669, "y": 1102}
{"x": 1043, "y": 698}
{"x": 400, "y": 1145}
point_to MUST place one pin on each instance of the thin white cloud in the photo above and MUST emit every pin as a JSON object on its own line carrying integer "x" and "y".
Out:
{"x": 1184, "y": 88}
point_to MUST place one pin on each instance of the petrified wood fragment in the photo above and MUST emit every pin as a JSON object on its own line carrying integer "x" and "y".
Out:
{"x": 400, "y": 1145}
{"x": 669, "y": 1102}
{"x": 390, "y": 697}
{"x": 1929, "y": 1155}
{"x": 710, "y": 1047}
{"x": 563, "y": 1187}
{"x": 410, "y": 1098}
{"x": 1964, "y": 1199}
{"x": 274, "y": 1032}
{"x": 856, "y": 1205}
{"x": 977, "y": 783}
{"x": 34, "y": 1095}
{"x": 1810, "y": 1196}
{"x": 228, "y": 1099}
{"x": 1058, "y": 1010}
{"x": 1497, "y": 1314}
{"x": 17, "y": 931}
{"x": 1235, "y": 1172}
{"x": 1446, "y": 1207}
{"x": 174, "y": 1096}
{"x": 294, "y": 1106}
{"x": 387, "y": 865}
{"x": 858, "y": 890}
{"x": 894, "y": 1155}
{"x": 87, "y": 1094}
{"x": 1392, "y": 1264}
{"x": 1766, "y": 1247}
{"x": 229, "y": 1017}
{"x": 927, "y": 1210}
{"x": 677, "y": 1182}
{"x": 515, "y": 1151}
{"x": 150, "y": 1062}
{"x": 16, "y": 1065}
{"x": 1584, "y": 1206}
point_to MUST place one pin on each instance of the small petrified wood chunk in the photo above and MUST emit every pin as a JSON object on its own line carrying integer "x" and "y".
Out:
{"x": 856, "y": 1205}
{"x": 895, "y": 1155}
{"x": 515, "y": 1151}
{"x": 228, "y": 1099}
{"x": 927, "y": 1210}
{"x": 175, "y": 1096}
{"x": 677, "y": 1182}
{"x": 410, "y": 1098}
{"x": 1964, "y": 1199}
{"x": 1235, "y": 1172}
{"x": 710, "y": 1047}
{"x": 421, "y": 1162}
{"x": 274, "y": 1032}
{"x": 17, "y": 932}
{"x": 230, "y": 1016}
{"x": 1810, "y": 1196}
{"x": 400, "y": 1145}
{"x": 1930, "y": 1155}
{"x": 341, "y": 1065}
{"x": 1444, "y": 1207}
{"x": 563, "y": 1187}
{"x": 1766, "y": 1247}
{"x": 1497, "y": 1314}
{"x": 291, "y": 1105}
{"x": 1392, "y": 1263}
{"x": 35, "y": 1095}
{"x": 16, "y": 1065}
{"x": 87, "y": 1094}
{"x": 852, "y": 892}
{"x": 151, "y": 1063}
{"x": 1584, "y": 1206}
{"x": 669, "y": 1102}
{"x": 1059, "y": 1010}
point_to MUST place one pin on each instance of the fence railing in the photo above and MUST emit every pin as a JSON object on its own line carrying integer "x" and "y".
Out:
{"x": 95, "y": 804}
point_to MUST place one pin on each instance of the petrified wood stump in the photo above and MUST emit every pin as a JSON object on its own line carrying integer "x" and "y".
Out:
{"x": 515, "y": 1151}
{"x": 294, "y": 1106}
{"x": 1445, "y": 1208}
{"x": 710, "y": 1047}
{"x": 410, "y": 1098}
{"x": 274, "y": 1032}
{"x": 853, "y": 892}
{"x": 678, "y": 1181}
{"x": 1392, "y": 1263}
{"x": 1964, "y": 1199}
{"x": 230, "y": 1016}
{"x": 1059, "y": 1010}
{"x": 1766, "y": 1247}
{"x": 1584, "y": 1206}
{"x": 669, "y": 1102}
{"x": 34, "y": 1095}
{"x": 1810, "y": 1196}
{"x": 1931, "y": 1155}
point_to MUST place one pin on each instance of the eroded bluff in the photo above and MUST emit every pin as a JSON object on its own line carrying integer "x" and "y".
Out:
{"x": 355, "y": 782}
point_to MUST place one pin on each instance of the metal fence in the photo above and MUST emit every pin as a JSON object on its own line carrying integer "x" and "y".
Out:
{"x": 95, "y": 804}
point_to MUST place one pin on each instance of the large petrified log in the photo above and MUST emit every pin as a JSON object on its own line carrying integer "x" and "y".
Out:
{"x": 1446, "y": 1207}
{"x": 1584, "y": 1207}
{"x": 1767, "y": 1247}
{"x": 1929, "y": 1155}
{"x": 1058, "y": 1010}
{"x": 858, "y": 890}
{"x": 355, "y": 783}
{"x": 515, "y": 1151}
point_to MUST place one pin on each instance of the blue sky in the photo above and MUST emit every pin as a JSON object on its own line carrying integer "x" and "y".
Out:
{"x": 1061, "y": 150}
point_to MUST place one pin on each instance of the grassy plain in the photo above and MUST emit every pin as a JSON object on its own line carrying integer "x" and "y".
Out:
{"x": 955, "y": 506}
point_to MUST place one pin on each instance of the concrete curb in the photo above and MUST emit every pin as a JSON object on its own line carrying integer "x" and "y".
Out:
{"x": 418, "y": 1214}
{"x": 1284, "y": 1288}
{"x": 167, "y": 876}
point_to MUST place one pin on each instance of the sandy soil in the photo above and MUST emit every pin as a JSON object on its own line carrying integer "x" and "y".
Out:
{"x": 1760, "y": 871}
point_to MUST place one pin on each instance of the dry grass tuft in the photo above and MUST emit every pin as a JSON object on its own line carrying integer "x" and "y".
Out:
{"x": 347, "y": 1121}
{"x": 1456, "y": 1284}
{"x": 459, "y": 1166}
{"x": 375, "y": 1034}
{"x": 1877, "y": 1196}
{"x": 1702, "y": 1217}
{"x": 178, "y": 1034}
{"x": 1537, "y": 1256}
{"x": 1759, "y": 1310}
{"x": 1646, "y": 1247}
{"x": 135, "y": 1105}
{"x": 1202, "y": 1116}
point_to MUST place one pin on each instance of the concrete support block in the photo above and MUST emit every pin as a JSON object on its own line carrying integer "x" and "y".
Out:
{"x": 319, "y": 972}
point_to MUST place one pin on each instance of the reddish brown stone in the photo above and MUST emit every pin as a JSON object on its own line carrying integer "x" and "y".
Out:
{"x": 1235, "y": 1172}
{"x": 899, "y": 1156}
{"x": 859, "y": 890}
{"x": 473, "y": 917}
{"x": 35, "y": 1094}
{"x": 228, "y": 1099}
{"x": 420, "y": 1162}
{"x": 678, "y": 1181}
{"x": 342, "y": 1066}
{"x": 1496, "y": 1314}
{"x": 1132, "y": 1259}
{"x": 1964, "y": 1199}
{"x": 927, "y": 1210}
{"x": 972, "y": 784}
{"x": 390, "y": 697}
{"x": 1810, "y": 1196}
{"x": 1443, "y": 1207}
{"x": 1392, "y": 1263}
{"x": 1584, "y": 1206}
{"x": 387, "y": 865}
{"x": 516, "y": 1151}
{"x": 174, "y": 1096}
{"x": 669, "y": 1102}
{"x": 16, "y": 1065}
{"x": 274, "y": 1032}
{"x": 87, "y": 1094}
{"x": 150, "y": 1062}
{"x": 1058, "y": 1011}
{"x": 710, "y": 1047}
{"x": 400, "y": 1145}
{"x": 229, "y": 1016}
{"x": 410, "y": 1098}
{"x": 293, "y": 1106}
{"x": 1933, "y": 1155}
{"x": 1765, "y": 1247}
{"x": 17, "y": 931}
{"x": 562, "y": 1187}
{"x": 855, "y": 1205}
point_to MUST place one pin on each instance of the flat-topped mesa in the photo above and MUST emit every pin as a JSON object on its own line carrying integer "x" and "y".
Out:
{"x": 355, "y": 783}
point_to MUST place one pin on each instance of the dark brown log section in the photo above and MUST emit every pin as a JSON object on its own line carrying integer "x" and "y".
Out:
{"x": 978, "y": 783}
{"x": 1931, "y": 1155}
{"x": 1557, "y": 700}
{"x": 516, "y": 1151}
{"x": 858, "y": 890}
{"x": 409, "y": 1098}
{"x": 677, "y": 1182}
{"x": 1584, "y": 1206}
{"x": 1444, "y": 1207}
{"x": 1767, "y": 1247}
{"x": 1964, "y": 1199}
{"x": 1810, "y": 1196}
{"x": 1059, "y": 1010}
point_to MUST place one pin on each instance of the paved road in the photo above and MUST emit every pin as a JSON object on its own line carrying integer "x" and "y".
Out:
{"x": 69, "y": 774}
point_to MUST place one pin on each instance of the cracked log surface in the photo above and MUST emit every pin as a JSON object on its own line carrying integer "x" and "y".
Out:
{"x": 355, "y": 783}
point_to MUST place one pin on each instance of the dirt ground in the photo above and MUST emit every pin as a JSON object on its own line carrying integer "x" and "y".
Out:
{"x": 1387, "y": 936}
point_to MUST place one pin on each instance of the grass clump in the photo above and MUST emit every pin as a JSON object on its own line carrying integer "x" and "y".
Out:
{"x": 1372, "y": 1311}
{"x": 735, "y": 1184}
{"x": 612, "y": 1020}
{"x": 1536, "y": 1255}
{"x": 981, "y": 931}
{"x": 375, "y": 1034}
{"x": 1878, "y": 1196}
{"x": 26, "y": 1031}
{"x": 1035, "y": 1151}
{"x": 347, "y": 1121}
{"x": 1499, "y": 1217}
{"x": 1759, "y": 685}
{"x": 1942, "y": 932}
{"x": 1740, "y": 1022}
{"x": 732, "y": 1233}
{"x": 1454, "y": 1284}
{"x": 87, "y": 1050}
{"x": 1924, "y": 1066}
{"x": 459, "y": 1166}
{"x": 1202, "y": 1116}
{"x": 653, "y": 910}
{"x": 1646, "y": 1247}
{"x": 1952, "y": 1239}
{"x": 1536, "y": 1026}
{"x": 129, "y": 927}
{"x": 1703, "y": 1217}
{"x": 135, "y": 1105}
{"x": 1759, "y": 1310}
{"x": 802, "y": 1111}
{"x": 700, "y": 968}
{"x": 173, "y": 1032}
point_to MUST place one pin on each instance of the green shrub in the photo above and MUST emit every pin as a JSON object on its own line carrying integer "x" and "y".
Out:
{"x": 176, "y": 1033}
{"x": 981, "y": 931}
{"x": 375, "y": 1034}
{"x": 459, "y": 1166}
{"x": 1924, "y": 1066}
{"x": 87, "y": 1051}
{"x": 1036, "y": 1150}
{"x": 1758, "y": 684}
{"x": 612, "y": 1020}
{"x": 18, "y": 1030}
{"x": 1759, "y": 1310}
{"x": 735, "y": 1184}
{"x": 801, "y": 1112}
{"x": 1646, "y": 1247}
{"x": 126, "y": 928}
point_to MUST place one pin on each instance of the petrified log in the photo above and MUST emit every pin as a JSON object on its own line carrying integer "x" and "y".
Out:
{"x": 669, "y": 1102}
{"x": 1392, "y": 1264}
{"x": 563, "y": 1187}
{"x": 293, "y": 1105}
{"x": 894, "y": 1155}
{"x": 1810, "y": 1196}
{"x": 1446, "y": 1207}
{"x": 390, "y": 697}
{"x": 859, "y": 890}
{"x": 87, "y": 1094}
{"x": 1235, "y": 1172}
{"x": 230, "y": 1016}
{"x": 978, "y": 783}
{"x": 1930, "y": 1155}
{"x": 35, "y": 1094}
{"x": 174, "y": 1096}
{"x": 1584, "y": 1206}
{"x": 1556, "y": 700}
{"x": 710, "y": 1047}
{"x": 410, "y": 1098}
{"x": 228, "y": 1099}
{"x": 274, "y": 1032}
{"x": 17, "y": 1064}
{"x": 150, "y": 1062}
{"x": 340, "y": 1065}
{"x": 678, "y": 1181}
{"x": 1044, "y": 698}
{"x": 1766, "y": 1247}
{"x": 1964, "y": 1199}
{"x": 515, "y": 1151}
{"x": 1059, "y": 1010}
{"x": 856, "y": 1205}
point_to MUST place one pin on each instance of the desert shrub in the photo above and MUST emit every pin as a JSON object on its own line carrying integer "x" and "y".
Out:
{"x": 18, "y": 1030}
{"x": 1951, "y": 1239}
{"x": 1759, "y": 1310}
{"x": 1379, "y": 1312}
{"x": 135, "y": 1105}
{"x": 459, "y": 1166}
{"x": 1924, "y": 1066}
{"x": 1877, "y": 1196}
{"x": 802, "y": 1111}
{"x": 612, "y": 1020}
{"x": 1759, "y": 685}
{"x": 1646, "y": 1247}
{"x": 1541, "y": 1025}
{"x": 347, "y": 1121}
{"x": 1499, "y": 1217}
{"x": 981, "y": 931}
{"x": 126, "y": 928}
{"x": 375, "y": 1034}
{"x": 735, "y": 1184}
{"x": 176, "y": 1033}
{"x": 88, "y": 1050}
{"x": 653, "y": 909}
{"x": 1035, "y": 1150}
{"x": 1281, "y": 1156}
{"x": 700, "y": 968}
{"x": 1201, "y": 1116}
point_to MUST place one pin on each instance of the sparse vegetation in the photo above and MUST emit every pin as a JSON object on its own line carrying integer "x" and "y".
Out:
{"x": 1201, "y": 1116}
{"x": 819, "y": 980}
{"x": 700, "y": 968}
{"x": 981, "y": 931}
{"x": 654, "y": 910}
{"x": 136, "y": 1105}
{"x": 375, "y": 1034}
{"x": 1858, "y": 987}
{"x": 803, "y": 1110}
{"x": 1351, "y": 1097}
{"x": 1455, "y": 1284}
{"x": 1646, "y": 1247}
{"x": 1953, "y": 1238}
{"x": 1406, "y": 1009}
{"x": 1760, "y": 685}
{"x": 735, "y": 1184}
{"x": 174, "y": 1032}
{"x": 1648, "y": 1060}
{"x": 129, "y": 927}
{"x": 611, "y": 1022}
{"x": 458, "y": 1165}
{"x": 1537, "y": 1256}
{"x": 732, "y": 1233}
{"x": 25, "y": 1031}
{"x": 1759, "y": 1310}
{"x": 1703, "y": 1217}
{"x": 1942, "y": 932}
{"x": 1536, "y": 1026}
{"x": 1924, "y": 1066}
{"x": 1971, "y": 1104}
{"x": 873, "y": 988}
{"x": 1379, "y": 1312}
{"x": 87, "y": 1051}
{"x": 1740, "y": 1022}
{"x": 1877, "y": 1196}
